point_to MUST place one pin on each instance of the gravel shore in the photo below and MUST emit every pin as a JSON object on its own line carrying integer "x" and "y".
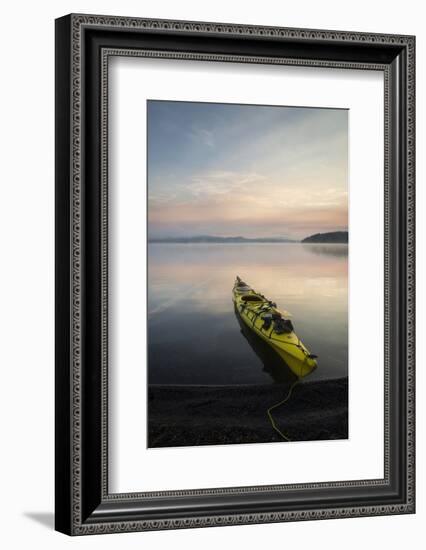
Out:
{"x": 219, "y": 415}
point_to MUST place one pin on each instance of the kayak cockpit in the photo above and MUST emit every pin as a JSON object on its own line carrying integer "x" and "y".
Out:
{"x": 252, "y": 298}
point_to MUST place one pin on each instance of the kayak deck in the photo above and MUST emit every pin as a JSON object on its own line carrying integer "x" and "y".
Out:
{"x": 263, "y": 318}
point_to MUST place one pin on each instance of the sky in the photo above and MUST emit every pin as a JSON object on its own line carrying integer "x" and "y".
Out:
{"x": 246, "y": 170}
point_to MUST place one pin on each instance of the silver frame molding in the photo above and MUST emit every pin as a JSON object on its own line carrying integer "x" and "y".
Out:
{"x": 84, "y": 44}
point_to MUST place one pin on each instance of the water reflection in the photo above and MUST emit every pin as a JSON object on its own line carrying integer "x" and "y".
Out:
{"x": 192, "y": 334}
{"x": 336, "y": 250}
{"x": 272, "y": 363}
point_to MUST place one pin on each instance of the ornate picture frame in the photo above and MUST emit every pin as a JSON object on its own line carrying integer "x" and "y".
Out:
{"x": 84, "y": 44}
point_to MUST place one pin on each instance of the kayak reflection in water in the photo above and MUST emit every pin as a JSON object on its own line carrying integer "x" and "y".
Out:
{"x": 272, "y": 363}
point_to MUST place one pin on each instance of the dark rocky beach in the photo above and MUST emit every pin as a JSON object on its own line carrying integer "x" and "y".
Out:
{"x": 218, "y": 415}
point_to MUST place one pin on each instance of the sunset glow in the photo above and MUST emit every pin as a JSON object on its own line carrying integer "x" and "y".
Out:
{"x": 246, "y": 170}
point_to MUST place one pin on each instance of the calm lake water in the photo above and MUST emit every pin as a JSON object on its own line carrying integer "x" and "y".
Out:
{"x": 194, "y": 336}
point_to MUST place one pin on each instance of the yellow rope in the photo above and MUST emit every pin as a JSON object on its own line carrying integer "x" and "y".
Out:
{"x": 271, "y": 418}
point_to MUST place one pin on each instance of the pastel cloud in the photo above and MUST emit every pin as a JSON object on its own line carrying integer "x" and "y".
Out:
{"x": 246, "y": 170}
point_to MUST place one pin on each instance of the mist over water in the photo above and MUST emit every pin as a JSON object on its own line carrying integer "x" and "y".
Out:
{"x": 194, "y": 336}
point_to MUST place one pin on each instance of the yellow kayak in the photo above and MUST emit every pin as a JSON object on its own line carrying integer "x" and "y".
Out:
{"x": 263, "y": 318}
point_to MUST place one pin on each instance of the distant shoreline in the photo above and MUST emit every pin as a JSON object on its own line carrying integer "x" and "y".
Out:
{"x": 217, "y": 240}
{"x": 246, "y": 242}
{"x": 335, "y": 237}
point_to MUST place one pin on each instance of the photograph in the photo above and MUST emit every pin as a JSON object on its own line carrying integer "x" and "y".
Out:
{"x": 247, "y": 269}
{"x": 234, "y": 305}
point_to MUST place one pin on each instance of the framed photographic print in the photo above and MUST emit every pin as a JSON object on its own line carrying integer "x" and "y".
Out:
{"x": 234, "y": 274}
